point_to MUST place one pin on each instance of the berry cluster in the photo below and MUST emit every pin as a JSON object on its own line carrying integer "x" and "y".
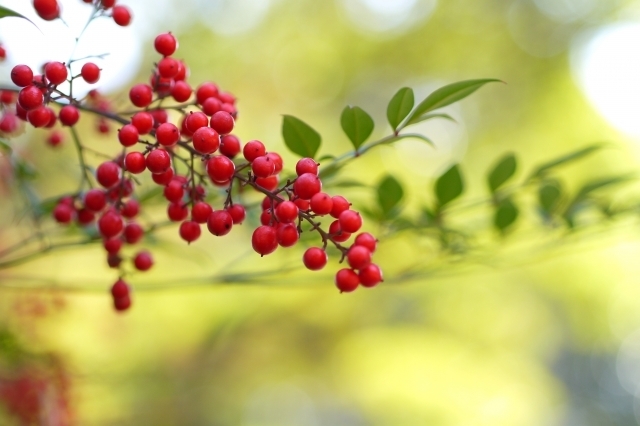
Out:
{"x": 50, "y": 10}
{"x": 186, "y": 148}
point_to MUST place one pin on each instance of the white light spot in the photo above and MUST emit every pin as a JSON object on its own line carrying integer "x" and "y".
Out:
{"x": 388, "y": 15}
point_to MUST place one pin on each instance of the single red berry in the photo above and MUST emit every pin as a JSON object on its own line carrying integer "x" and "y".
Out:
{"x": 128, "y": 135}
{"x": 8, "y": 97}
{"x": 163, "y": 178}
{"x": 69, "y": 115}
{"x": 21, "y": 113}
{"x": 370, "y": 275}
{"x": 358, "y": 257}
{"x": 189, "y": 231}
{"x": 222, "y": 122}
{"x": 230, "y": 146}
{"x": 9, "y": 122}
{"x": 112, "y": 245}
{"x": 110, "y": 224}
{"x": 47, "y": 9}
{"x": 30, "y": 97}
{"x": 143, "y": 121}
{"x": 168, "y": 67}
{"x": 267, "y": 218}
{"x": 103, "y": 126}
{"x": 122, "y": 304}
{"x": 108, "y": 174}
{"x": 160, "y": 116}
{"x": 167, "y": 134}
{"x": 206, "y": 140}
{"x": 22, "y": 75}
{"x": 134, "y": 162}
{"x": 230, "y": 109}
{"x": 367, "y": 240}
{"x": 306, "y": 165}
{"x": 337, "y": 234}
{"x": 120, "y": 289}
{"x": 133, "y": 233}
{"x": 237, "y": 212}
{"x": 53, "y": 119}
{"x": 200, "y": 212}
{"x": 220, "y": 223}
{"x": 174, "y": 191}
{"x": 85, "y": 216}
{"x": 220, "y": 168}
{"x": 106, "y": 4}
{"x": 277, "y": 160}
{"x": 211, "y": 105}
{"x": 95, "y": 200}
{"x": 63, "y": 213}
{"x": 158, "y": 161}
{"x": 177, "y": 212}
{"x": 303, "y": 205}
{"x": 54, "y": 139}
{"x": 347, "y": 280}
{"x": 287, "y": 234}
{"x": 314, "y": 258}
{"x": 350, "y": 221}
{"x": 307, "y": 185}
{"x": 121, "y": 15}
{"x": 321, "y": 203}
{"x": 130, "y": 209}
{"x": 205, "y": 91}
{"x": 40, "y": 116}
{"x": 340, "y": 204}
{"x": 226, "y": 98}
{"x": 286, "y": 212}
{"x": 56, "y": 72}
{"x": 196, "y": 120}
{"x": 253, "y": 150}
{"x": 90, "y": 72}
{"x": 270, "y": 183}
{"x": 262, "y": 167}
{"x": 141, "y": 95}
{"x": 143, "y": 261}
{"x": 181, "y": 90}
{"x": 165, "y": 44}
{"x": 183, "y": 73}
{"x": 264, "y": 240}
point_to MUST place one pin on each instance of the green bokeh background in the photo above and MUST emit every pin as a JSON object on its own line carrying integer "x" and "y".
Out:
{"x": 525, "y": 333}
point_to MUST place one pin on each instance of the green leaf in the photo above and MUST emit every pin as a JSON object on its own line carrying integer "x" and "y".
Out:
{"x": 410, "y": 136}
{"x": 357, "y": 125}
{"x": 601, "y": 183}
{"x": 299, "y": 137}
{"x": 400, "y": 106}
{"x": 549, "y": 195}
{"x": 505, "y": 215}
{"x": 349, "y": 183}
{"x": 567, "y": 158}
{"x": 449, "y": 186}
{"x": 431, "y": 116}
{"x": 8, "y": 13}
{"x": 502, "y": 171}
{"x": 446, "y": 96}
{"x": 390, "y": 193}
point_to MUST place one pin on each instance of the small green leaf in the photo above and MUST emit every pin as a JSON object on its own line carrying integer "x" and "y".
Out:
{"x": 410, "y": 136}
{"x": 502, "y": 171}
{"x": 400, "y": 106}
{"x": 8, "y": 13}
{"x": 549, "y": 195}
{"x": 299, "y": 137}
{"x": 567, "y": 158}
{"x": 449, "y": 186}
{"x": 446, "y": 96}
{"x": 357, "y": 125}
{"x": 601, "y": 183}
{"x": 326, "y": 157}
{"x": 390, "y": 193}
{"x": 432, "y": 116}
{"x": 349, "y": 183}
{"x": 505, "y": 215}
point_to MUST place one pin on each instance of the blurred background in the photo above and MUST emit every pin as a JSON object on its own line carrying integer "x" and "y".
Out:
{"x": 541, "y": 330}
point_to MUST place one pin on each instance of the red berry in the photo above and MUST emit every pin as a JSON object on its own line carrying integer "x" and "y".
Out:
{"x": 128, "y": 135}
{"x": 321, "y": 203}
{"x": 165, "y": 44}
{"x": 160, "y": 116}
{"x": 230, "y": 146}
{"x": 226, "y": 98}
{"x": 314, "y": 258}
{"x": 303, "y": 205}
{"x": 220, "y": 223}
{"x": 253, "y": 150}
{"x": 121, "y": 15}
{"x": 222, "y": 122}
{"x": 90, "y": 72}
{"x": 206, "y": 91}
{"x": 177, "y": 212}
{"x": 30, "y": 97}
{"x": 189, "y": 231}
{"x": 130, "y": 209}
{"x": 143, "y": 261}
{"x": 106, "y": 4}
{"x": 9, "y": 122}
{"x": 22, "y": 75}
{"x": 143, "y": 121}
{"x": 63, "y": 213}
{"x": 370, "y": 275}
{"x": 338, "y": 234}
{"x": 95, "y": 200}
{"x": 205, "y": 140}
{"x": 347, "y": 280}
{"x": 286, "y": 212}
{"x": 183, "y": 72}
{"x": 7, "y": 97}
{"x": 134, "y": 162}
{"x": 306, "y": 165}
{"x": 196, "y": 120}
{"x": 47, "y": 9}
{"x": 340, "y": 204}
{"x": 350, "y": 221}
{"x": 220, "y": 168}
{"x": 277, "y": 160}
{"x": 168, "y": 67}
{"x": 158, "y": 161}
{"x": 200, "y": 212}
{"x": 367, "y": 240}
{"x": 54, "y": 139}
{"x": 113, "y": 245}
{"x": 269, "y": 183}
{"x": 211, "y": 105}
{"x": 307, "y": 185}
{"x": 141, "y": 95}
{"x": 358, "y": 257}
{"x": 69, "y": 115}
{"x": 266, "y": 218}
{"x": 163, "y": 178}
{"x": 108, "y": 174}
{"x": 40, "y": 116}
{"x": 264, "y": 240}
{"x": 174, "y": 191}
{"x": 287, "y": 234}
{"x": 262, "y": 167}
{"x": 56, "y": 72}
{"x": 122, "y": 304}
{"x": 120, "y": 289}
{"x": 181, "y": 90}
{"x": 167, "y": 134}
{"x": 110, "y": 224}
{"x": 237, "y": 213}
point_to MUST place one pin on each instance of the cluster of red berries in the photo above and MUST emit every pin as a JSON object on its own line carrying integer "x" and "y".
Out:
{"x": 50, "y": 10}
{"x": 203, "y": 132}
